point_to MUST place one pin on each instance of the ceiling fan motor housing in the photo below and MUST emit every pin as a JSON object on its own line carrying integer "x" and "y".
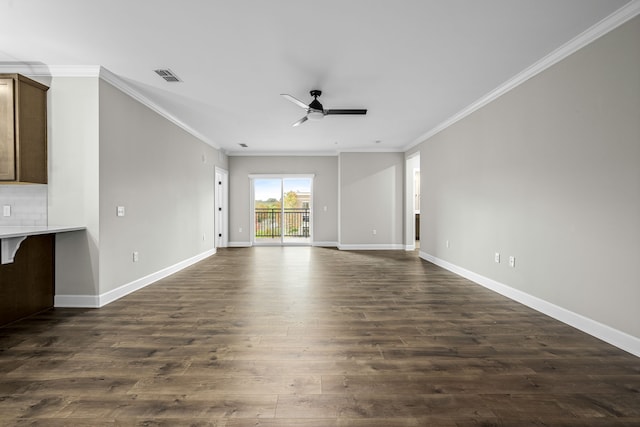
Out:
{"x": 315, "y": 104}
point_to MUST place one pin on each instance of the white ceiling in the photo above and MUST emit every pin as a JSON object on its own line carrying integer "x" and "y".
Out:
{"x": 412, "y": 63}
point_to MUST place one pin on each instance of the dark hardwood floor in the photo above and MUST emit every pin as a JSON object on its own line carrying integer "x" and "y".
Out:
{"x": 312, "y": 337}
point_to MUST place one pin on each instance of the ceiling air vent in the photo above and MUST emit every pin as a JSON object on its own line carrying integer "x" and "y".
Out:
{"x": 168, "y": 75}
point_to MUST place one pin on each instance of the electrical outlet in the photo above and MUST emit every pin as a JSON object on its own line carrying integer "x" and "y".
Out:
{"x": 136, "y": 256}
{"x": 120, "y": 211}
{"x": 447, "y": 243}
{"x": 496, "y": 257}
{"x": 374, "y": 231}
{"x": 6, "y": 210}
{"x": 240, "y": 230}
{"x": 512, "y": 261}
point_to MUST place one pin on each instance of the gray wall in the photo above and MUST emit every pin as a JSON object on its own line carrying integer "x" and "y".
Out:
{"x": 156, "y": 171}
{"x": 107, "y": 150}
{"x": 371, "y": 198}
{"x": 325, "y": 192}
{"x": 73, "y": 198}
{"x": 549, "y": 173}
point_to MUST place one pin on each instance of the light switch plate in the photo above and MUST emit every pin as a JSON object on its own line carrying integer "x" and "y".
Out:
{"x": 6, "y": 210}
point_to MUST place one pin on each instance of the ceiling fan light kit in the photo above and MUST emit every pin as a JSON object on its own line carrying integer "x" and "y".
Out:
{"x": 315, "y": 110}
{"x": 315, "y": 115}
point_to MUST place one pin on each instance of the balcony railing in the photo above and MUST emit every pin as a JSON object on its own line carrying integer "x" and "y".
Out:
{"x": 269, "y": 222}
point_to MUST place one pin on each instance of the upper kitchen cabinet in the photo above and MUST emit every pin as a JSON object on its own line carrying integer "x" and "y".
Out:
{"x": 23, "y": 130}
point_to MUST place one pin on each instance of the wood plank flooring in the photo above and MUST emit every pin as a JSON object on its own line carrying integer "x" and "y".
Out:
{"x": 311, "y": 337}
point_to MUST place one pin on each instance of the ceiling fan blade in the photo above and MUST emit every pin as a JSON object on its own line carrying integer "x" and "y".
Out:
{"x": 295, "y": 101}
{"x": 349, "y": 111}
{"x": 299, "y": 122}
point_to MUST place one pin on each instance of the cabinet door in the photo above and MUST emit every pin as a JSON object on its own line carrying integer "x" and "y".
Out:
{"x": 7, "y": 134}
{"x": 27, "y": 284}
{"x": 31, "y": 132}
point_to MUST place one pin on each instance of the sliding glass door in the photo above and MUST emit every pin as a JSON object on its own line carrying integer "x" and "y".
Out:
{"x": 282, "y": 209}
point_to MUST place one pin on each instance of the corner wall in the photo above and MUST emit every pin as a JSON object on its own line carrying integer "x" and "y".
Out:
{"x": 549, "y": 173}
{"x": 106, "y": 149}
{"x": 73, "y": 181}
{"x": 371, "y": 198}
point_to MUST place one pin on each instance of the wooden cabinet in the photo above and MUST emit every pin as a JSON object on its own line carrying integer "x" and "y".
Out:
{"x": 27, "y": 284}
{"x": 23, "y": 130}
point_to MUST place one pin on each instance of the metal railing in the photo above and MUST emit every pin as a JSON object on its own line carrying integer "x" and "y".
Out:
{"x": 269, "y": 222}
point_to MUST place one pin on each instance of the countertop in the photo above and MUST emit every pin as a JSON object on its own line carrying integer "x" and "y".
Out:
{"x": 7, "y": 232}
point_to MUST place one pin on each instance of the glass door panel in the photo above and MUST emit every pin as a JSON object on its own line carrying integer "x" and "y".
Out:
{"x": 267, "y": 210}
{"x": 296, "y": 226}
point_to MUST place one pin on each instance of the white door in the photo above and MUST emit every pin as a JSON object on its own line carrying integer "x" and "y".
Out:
{"x": 221, "y": 208}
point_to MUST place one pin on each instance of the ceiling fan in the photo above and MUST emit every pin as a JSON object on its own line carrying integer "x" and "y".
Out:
{"x": 315, "y": 110}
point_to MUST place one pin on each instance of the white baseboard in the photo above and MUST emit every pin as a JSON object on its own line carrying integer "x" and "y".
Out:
{"x": 97, "y": 301}
{"x": 592, "y": 327}
{"x": 325, "y": 244}
{"x": 77, "y": 301}
{"x": 248, "y": 244}
{"x": 372, "y": 247}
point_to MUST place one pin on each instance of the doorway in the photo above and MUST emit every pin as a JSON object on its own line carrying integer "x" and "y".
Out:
{"x": 282, "y": 209}
{"x": 412, "y": 207}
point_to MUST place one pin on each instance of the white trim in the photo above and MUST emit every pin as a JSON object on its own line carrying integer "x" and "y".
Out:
{"x": 91, "y": 301}
{"x": 282, "y": 153}
{"x": 592, "y": 327}
{"x": 239, "y": 244}
{"x": 411, "y": 247}
{"x": 325, "y": 244}
{"x": 330, "y": 153}
{"x": 125, "y": 87}
{"x": 43, "y": 70}
{"x": 282, "y": 175}
{"x": 284, "y": 244}
{"x": 606, "y": 25}
{"x": 372, "y": 247}
{"x": 77, "y": 301}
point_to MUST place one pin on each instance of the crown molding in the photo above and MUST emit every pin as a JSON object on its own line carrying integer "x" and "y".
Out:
{"x": 125, "y": 87}
{"x": 329, "y": 153}
{"x": 33, "y": 69}
{"x": 373, "y": 150}
{"x": 282, "y": 153}
{"x": 38, "y": 69}
{"x": 611, "y": 22}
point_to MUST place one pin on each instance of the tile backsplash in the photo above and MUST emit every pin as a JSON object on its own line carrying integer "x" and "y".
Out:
{"x": 28, "y": 204}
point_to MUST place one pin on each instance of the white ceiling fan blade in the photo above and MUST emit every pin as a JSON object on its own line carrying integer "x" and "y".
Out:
{"x": 295, "y": 101}
{"x": 299, "y": 122}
